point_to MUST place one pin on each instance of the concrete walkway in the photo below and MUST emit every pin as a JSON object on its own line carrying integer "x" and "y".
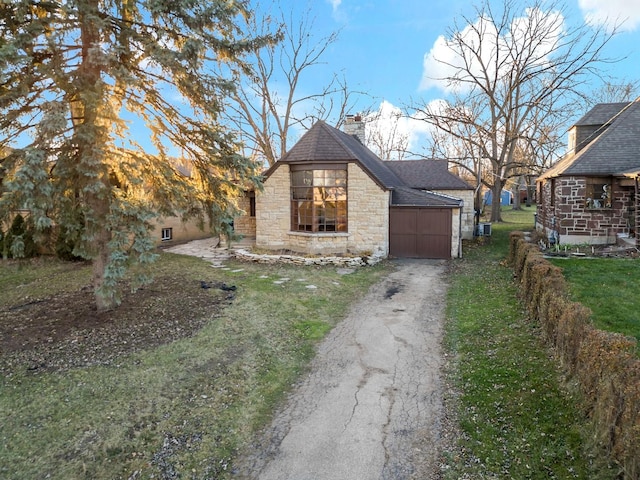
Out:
{"x": 209, "y": 249}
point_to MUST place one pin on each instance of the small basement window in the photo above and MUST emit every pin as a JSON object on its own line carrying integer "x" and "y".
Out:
{"x": 598, "y": 194}
{"x": 167, "y": 234}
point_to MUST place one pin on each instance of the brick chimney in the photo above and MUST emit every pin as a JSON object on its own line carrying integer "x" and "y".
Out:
{"x": 354, "y": 125}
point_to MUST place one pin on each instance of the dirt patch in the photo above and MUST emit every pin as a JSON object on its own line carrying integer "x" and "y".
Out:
{"x": 65, "y": 331}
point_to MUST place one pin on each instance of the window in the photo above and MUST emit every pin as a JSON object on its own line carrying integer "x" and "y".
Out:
{"x": 167, "y": 234}
{"x": 598, "y": 194}
{"x": 252, "y": 204}
{"x": 319, "y": 199}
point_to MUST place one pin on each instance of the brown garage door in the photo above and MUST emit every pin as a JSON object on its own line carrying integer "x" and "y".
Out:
{"x": 420, "y": 232}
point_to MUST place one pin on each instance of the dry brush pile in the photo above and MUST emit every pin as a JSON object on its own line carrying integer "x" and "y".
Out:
{"x": 605, "y": 365}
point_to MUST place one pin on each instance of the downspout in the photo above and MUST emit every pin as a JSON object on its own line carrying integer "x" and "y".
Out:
{"x": 636, "y": 213}
{"x": 460, "y": 229}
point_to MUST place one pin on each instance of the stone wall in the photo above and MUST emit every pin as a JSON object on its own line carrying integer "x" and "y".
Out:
{"x": 456, "y": 230}
{"x": 575, "y": 223}
{"x": 245, "y": 225}
{"x": 181, "y": 232}
{"x": 361, "y": 261}
{"x": 466, "y": 225}
{"x": 368, "y": 218}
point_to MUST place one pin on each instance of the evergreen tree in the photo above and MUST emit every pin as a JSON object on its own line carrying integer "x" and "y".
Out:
{"x": 77, "y": 77}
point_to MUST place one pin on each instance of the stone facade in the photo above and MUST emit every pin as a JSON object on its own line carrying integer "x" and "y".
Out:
{"x": 562, "y": 209}
{"x": 456, "y": 231}
{"x": 465, "y": 223}
{"x": 368, "y": 218}
{"x": 181, "y": 232}
{"x": 245, "y": 225}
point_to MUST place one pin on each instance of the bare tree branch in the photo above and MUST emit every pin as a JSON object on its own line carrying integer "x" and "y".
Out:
{"x": 514, "y": 69}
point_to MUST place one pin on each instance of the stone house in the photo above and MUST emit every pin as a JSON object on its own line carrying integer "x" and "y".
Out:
{"x": 591, "y": 195}
{"x": 332, "y": 195}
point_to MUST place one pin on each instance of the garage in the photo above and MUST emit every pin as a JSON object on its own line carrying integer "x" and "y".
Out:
{"x": 420, "y": 232}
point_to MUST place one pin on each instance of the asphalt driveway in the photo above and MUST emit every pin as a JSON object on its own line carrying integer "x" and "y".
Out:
{"x": 371, "y": 406}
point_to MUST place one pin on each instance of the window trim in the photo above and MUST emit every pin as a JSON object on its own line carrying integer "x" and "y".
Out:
{"x": 166, "y": 234}
{"x": 319, "y": 200}
{"x": 593, "y": 187}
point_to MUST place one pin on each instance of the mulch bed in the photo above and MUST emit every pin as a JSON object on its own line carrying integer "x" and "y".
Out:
{"x": 66, "y": 331}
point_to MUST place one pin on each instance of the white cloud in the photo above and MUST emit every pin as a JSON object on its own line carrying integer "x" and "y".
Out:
{"x": 612, "y": 12}
{"x": 338, "y": 11}
{"x": 335, "y": 4}
{"x": 389, "y": 128}
{"x": 446, "y": 60}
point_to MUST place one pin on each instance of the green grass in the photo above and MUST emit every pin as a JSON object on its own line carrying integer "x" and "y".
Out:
{"x": 186, "y": 407}
{"x": 181, "y": 408}
{"x": 516, "y": 418}
{"x": 609, "y": 287}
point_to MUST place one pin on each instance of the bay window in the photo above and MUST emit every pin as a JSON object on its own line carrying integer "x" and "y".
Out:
{"x": 319, "y": 198}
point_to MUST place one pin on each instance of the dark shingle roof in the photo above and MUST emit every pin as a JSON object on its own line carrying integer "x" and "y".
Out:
{"x": 406, "y": 196}
{"x": 615, "y": 151}
{"x": 427, "y": 174}
{"x": 601, "y": 114}
{"x": 325, "y": 144}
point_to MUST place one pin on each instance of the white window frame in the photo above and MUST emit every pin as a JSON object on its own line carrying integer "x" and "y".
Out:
{"x": 167, "y": 234}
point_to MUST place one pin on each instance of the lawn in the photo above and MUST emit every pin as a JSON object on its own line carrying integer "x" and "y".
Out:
{"x": 609, "y": 287}
{"x": 515, "y": 416}
{"x": 180, "y": 377}
{"x": 171, "y": 383}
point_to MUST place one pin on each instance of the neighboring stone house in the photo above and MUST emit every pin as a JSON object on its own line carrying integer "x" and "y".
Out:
{"x": 332, "y": 195}
{"x": 591, "y": 195}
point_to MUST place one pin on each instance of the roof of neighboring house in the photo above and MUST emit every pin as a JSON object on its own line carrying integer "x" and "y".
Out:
{"x": 431, "y": 174}
{"x": 601, "y": 113}
{"x": 615, "y": 151}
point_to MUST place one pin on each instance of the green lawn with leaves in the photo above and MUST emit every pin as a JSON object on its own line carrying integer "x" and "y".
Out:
{"x": 516, "y": 417}
{"x": 184, "y": 406}
{"x": 609, "y": 287}
{"x": 181, "y": 408}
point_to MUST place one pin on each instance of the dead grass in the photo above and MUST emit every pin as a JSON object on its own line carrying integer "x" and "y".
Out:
{"x": 167, "y": 386}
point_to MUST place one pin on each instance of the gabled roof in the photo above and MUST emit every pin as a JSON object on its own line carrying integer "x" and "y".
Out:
{"x": 601, "y": 113}
{"x": 323, "y": 143}
{"x": 430, "y": 174}
{"x": 613, "y": 152}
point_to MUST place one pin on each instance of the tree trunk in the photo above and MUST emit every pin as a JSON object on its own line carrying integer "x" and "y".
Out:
{"x": 104, "y": 295}
{"x": 496, "y": 192}
{"x": 516, "y": 194}
{"x": 530, "y": 192}
{"x": 91, "y": 139}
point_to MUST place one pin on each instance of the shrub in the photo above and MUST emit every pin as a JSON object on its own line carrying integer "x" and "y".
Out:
{"x": 18, "y": 241}
{"x": 65, "y": 243}
{"x": 604, "y": 364}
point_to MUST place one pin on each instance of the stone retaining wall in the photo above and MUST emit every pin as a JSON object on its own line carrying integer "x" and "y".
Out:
{"x": 362, "y": 261}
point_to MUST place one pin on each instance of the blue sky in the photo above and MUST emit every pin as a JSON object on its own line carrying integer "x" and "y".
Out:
{"x": 382, "y": 43}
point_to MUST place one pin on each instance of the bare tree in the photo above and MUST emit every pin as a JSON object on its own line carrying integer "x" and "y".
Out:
{"x": 269, "y": 102}
{"x": 613, "y": 91}
{"x": 384, "y": 133}
{"x": 464, "y": 155}
{"x": 508, "y": 66}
